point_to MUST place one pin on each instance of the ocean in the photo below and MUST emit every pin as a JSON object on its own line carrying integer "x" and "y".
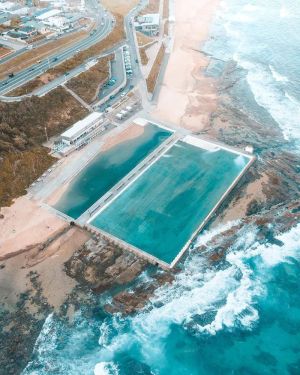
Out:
{"x": 238, "y": 317}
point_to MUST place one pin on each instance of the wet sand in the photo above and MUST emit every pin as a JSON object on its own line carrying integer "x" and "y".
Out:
{"x": 133, "y": 131}
{"x": 130, "y": 132}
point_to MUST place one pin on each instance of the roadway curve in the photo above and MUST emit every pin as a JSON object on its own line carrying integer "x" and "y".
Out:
{"x": 32, "y": 72}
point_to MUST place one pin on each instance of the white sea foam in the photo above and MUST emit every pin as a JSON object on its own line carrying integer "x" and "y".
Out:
{"x": 106, "y": 368}
{"x": 250, "y": 8}
{"x": 292, "y": 99}
{"x": 195, "y": 291}
{"x": 285, "y": 112}
{"x": 198, "y": 289}
{"x": 284, "y": 12}
{"x": 277, "y": 76}
{"x": 208, "y": 235}
{"x": 46, "y": 342}
{"x": 231, "y": 293}
{"x": 275, "y": 254}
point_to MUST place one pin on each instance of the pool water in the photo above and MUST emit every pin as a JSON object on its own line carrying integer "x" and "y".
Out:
{"x": 162, "y": 209}
{"x": 107, "y": 169}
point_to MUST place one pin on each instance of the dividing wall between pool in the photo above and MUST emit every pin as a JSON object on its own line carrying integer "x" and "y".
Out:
{"x": 160, "y": 212}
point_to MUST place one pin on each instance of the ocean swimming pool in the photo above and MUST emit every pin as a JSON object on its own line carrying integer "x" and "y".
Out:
{"x": 107, "y": 169}
{"x": 160, "y": 211}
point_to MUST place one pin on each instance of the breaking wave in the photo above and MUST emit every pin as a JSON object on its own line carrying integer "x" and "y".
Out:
{"x": 277, "y": 76}
{"x": 204, "y": 300}
{"x": 230, "y": 293}
{"x": 284, "y": 111}
{"x": 106, "y": 368}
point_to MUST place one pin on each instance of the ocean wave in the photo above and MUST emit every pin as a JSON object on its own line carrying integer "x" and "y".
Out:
{"x": 274, "y": 254}
{"x": 292, "y": 99}
{"x": 208, "y": 235}
{"x": 232, "y": 293}
{"x": 250, "y": 8}
{"x": 227, "y": 298}
{"x": 106, "y": 368}
{"x": 277, "y": 76}
{"x": 285, "y": 112}
{"x": 284, "y": 12}
{"x": 197, "y": 290}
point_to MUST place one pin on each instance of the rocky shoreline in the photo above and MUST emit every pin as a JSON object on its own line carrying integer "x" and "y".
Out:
{"x": 96, "y": 267}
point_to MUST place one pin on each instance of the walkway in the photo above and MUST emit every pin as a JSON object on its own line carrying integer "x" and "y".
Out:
{"x": 127, "y": 180}
{"x": 78, "y": 98}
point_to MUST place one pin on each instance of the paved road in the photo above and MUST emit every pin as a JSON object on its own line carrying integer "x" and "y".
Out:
{"x": 131, "y": 81}
{"x": 118, "y": 73}
{"x": 36, "y": 44}
{"x": 32, "y": 72}
{"x": 137, "y": 76}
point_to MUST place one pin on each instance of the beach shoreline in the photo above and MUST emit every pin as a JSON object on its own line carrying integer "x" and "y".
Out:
{"x": 187, "y": 97}
{"x": 130, "y": 132}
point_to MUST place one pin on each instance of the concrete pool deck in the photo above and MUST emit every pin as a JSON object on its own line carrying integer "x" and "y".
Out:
{"x": 194, "y": 141}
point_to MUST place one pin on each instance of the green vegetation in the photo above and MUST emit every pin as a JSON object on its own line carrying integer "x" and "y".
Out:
{"x": 23, "y": 127}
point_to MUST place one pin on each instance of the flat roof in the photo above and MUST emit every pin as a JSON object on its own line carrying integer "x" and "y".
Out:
{"x": 49, "y": 13}
{"x": 81, "y": 125}
{"x": 148, "y": 19}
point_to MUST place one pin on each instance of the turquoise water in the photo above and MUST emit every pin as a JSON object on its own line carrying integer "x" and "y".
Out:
{"x": 107, "y": 169}
{"x": 242, "y": 317}
{"x": 160, "y": 211}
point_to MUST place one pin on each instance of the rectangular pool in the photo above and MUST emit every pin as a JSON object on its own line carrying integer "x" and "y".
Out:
{"x": 162, "y": 209}
{"x": 107, "y": 169}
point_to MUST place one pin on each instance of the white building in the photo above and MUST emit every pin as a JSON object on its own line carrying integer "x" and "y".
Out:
{"x": 7, "y": 5}
{"x": 51, "y": 13}
{"x": 148, "y": 24}
{"x": 82, "y": 129}
{"x": 58, "y": 22}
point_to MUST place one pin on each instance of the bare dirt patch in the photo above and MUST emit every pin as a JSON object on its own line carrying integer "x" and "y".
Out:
{"x": 87, "y": 84}
{"x": 152, "y": 7}
{"x": 154, "y": 73}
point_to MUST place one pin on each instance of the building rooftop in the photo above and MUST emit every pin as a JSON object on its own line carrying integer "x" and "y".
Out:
{"x": 26, "y": 29}
{"x": 41, "y": 11}
{"x": 34, "y": 24}
{"x": 152, "y": 19}
{"x": 50, "y": 13}
{"x": 81, "y": 125}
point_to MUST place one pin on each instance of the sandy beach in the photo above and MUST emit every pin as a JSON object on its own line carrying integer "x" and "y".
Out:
{"x": 187, "y": 98}
{"x": 130, "y": 132}
{"x": 25, "y": 224}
